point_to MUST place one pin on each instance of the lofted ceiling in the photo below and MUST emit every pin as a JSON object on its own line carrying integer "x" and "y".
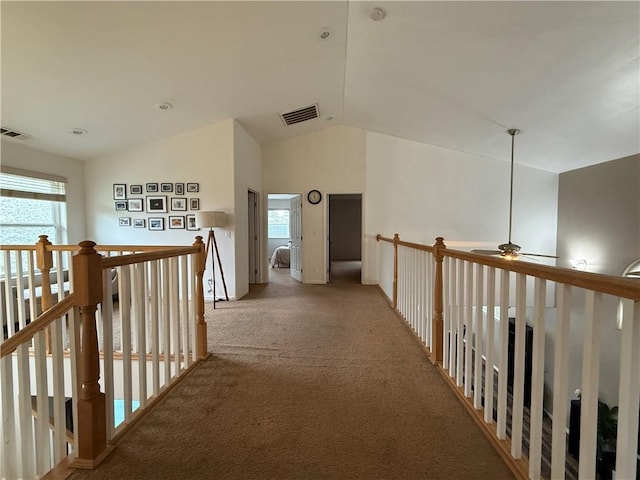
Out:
{"x": 452, "y": 74}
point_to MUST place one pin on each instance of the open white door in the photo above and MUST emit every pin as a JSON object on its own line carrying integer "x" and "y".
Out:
{"x": 295, "y": 225}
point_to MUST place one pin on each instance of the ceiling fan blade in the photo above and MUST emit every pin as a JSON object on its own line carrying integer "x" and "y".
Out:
{"x": 539, "y": 255}
{"x": 487, "y": 252}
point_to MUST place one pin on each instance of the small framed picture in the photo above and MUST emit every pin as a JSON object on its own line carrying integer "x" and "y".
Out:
{"x": 135, "y": 204}
{"x": 119, "y": 191}
{"x": 194, "y": 204}
{"x": 135, "y": 189}
{"x": 152, "y": 187}
{"x": 156, "y": 223}
{"x": 166, "y": 187}
{"x": 176, "y": 221}
{"x": 193, "y": 187}
{"x": 121, "y": 206}
{"x": 179, "y": 188}
{"x": 178, "y": 203}
{"x": 124, "y": 221}
{"x": 157, "y": 204}
{"x": 191, "y": 223}
{"x": 139, "y": 223}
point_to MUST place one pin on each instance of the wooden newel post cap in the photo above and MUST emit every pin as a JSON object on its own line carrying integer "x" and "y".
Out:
{"x": 87, "y": 274}
{"x": 396, "y": 238}
{"x": 378, "y": 237}
{"x": 44, "y": 258}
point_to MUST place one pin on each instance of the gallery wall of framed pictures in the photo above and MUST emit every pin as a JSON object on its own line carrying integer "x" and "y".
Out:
{"x": 153, "y": 199}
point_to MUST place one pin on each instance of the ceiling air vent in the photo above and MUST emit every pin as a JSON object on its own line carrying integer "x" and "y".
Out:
{"x": 7, "y": 132}
{"x": 300, "y": 115}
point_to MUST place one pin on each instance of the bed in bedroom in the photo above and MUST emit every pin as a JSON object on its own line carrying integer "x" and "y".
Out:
{"x": 280, "y": 257}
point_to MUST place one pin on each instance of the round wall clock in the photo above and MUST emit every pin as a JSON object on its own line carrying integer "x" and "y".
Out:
{"x": 314, "y": 197}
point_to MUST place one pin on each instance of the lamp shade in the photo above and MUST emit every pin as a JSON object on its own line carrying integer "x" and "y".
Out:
{"x": 211, "y": 219}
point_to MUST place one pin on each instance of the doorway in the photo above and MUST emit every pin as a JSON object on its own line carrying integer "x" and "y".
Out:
{"x": 344, "y": 248}
{"x": 284, "y": 234}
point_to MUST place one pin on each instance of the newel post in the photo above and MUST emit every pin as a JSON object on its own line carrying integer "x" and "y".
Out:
{"x": 396, "y": 239}
{"x": 201, "y": 326}
{"x": 438, "y": 322}
{"x": 92, "y": 419}
{"x": 44, "y": 262}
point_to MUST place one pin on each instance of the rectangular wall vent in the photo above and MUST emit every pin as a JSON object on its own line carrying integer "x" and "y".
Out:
{"x": 7, "y": 132}
{"x": 300, "y": 115}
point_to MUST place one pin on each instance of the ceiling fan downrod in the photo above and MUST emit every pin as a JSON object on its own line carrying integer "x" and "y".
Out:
{"x": 513, "y": 132}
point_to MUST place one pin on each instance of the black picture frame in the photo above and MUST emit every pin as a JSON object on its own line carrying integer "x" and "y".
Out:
{"x": 139, "y": 223}
{"x": 124, "y": 221}
{"x": 179, "y": 204}
{"x": 191, "y": 222}
{"x": 135, "y": 189}
{"x": 120, "y": 206}
{"x": 135, "y": 205}
{"x": 166, "y": 187}
{"x": 152, "y": 187}
{"x": 193, "y": 187}
{"x": 176, "y": 222}
{"x": 156, "y": 204}
{"x": 179, "y": 189}
{"x": 194, "y": 204}
{"x": 119, "y": 191}
{"x": 155, "y": 223}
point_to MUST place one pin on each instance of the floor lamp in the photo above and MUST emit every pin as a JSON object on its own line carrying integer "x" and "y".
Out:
{"x": 210, "y": 220}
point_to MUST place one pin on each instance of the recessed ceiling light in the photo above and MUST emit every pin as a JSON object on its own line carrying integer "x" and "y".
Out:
{"x": 325, "y": 33}
{"x": 164, "y": 106}
{"x": 78, "y": 131}
{"x": 377, "y": 14}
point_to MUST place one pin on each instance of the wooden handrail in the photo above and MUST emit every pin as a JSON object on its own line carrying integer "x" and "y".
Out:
{"x": 119, "y": 261}
{"x": 609, "y": 284}
{"x": 45, "y": 319}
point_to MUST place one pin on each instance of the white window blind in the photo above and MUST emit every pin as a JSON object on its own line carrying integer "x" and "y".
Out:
{"x": 32, "y": 185}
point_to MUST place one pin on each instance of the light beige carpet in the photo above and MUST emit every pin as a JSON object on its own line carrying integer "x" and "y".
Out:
{"x": 307, "y": 382}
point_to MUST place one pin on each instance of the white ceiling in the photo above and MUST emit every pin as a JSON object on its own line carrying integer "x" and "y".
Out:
{"x": 453, "y": 74}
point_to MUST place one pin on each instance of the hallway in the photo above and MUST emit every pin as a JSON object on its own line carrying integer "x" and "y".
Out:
{"x": 307, "y": 382}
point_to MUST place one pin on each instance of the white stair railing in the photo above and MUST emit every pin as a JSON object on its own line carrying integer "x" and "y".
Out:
{"x": 469, "y": 297}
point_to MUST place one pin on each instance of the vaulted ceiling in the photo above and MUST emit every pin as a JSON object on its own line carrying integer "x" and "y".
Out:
{"x": 452, "y": 74}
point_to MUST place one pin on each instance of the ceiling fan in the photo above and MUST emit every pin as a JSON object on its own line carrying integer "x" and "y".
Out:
{"x": 510, "y": 250}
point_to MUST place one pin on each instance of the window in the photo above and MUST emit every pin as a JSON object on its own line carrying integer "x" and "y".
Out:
{"x": 31, "y": 204}
{"x": 278, "y": 221}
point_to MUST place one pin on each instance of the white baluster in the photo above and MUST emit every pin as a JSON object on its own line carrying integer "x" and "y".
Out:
{"x": 155, "y": 327}
{"x": 477, "y": 374}
{"x": 43, "y": 444}
{"x": 9, "y": 451}
{"x": 537, "y": 380}
{"x": 518, "y": 366}
{"x": 489, "y": 361}
{"x": 107, "y": 349}
{"x": 560, "y": 377}
{"x": 468, "y": 330}
{"x": 504, "y": 355}
{"x": 460, "y": 332}
{"x": 627, "y": 441}
{"x": 139, "y": 275}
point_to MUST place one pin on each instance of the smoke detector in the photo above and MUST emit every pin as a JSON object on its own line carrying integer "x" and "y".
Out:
{"x": 377, "y": 14}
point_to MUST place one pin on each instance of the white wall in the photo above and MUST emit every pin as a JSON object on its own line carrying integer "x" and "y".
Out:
{"x": 332, "y": 161}
{"x": 247, "y": 175}
{"x": 599, "y": 221}
{"x": 204, "y": 155}
{"x": 21, "y": 156}
{"x": 423, "y": 191}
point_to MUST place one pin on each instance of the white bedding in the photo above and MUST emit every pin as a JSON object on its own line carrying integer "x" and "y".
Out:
{"x": 280, "y": 257}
